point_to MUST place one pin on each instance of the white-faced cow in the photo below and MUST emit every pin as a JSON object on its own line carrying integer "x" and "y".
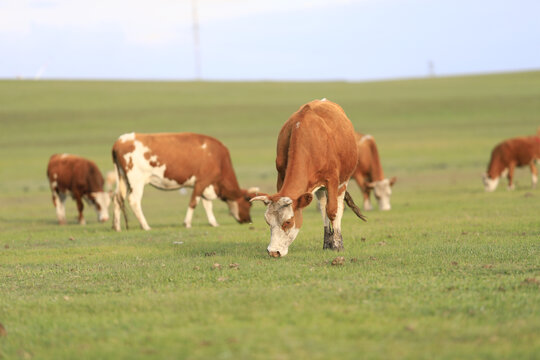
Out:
{"x": 369, "y": 173}
{"x": 171, "y": 161}
{"x": 70, "y": 174}
{"x": 521, "y": 151}
{"x": 316, "y": 154}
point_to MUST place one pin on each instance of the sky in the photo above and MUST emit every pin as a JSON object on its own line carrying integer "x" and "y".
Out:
{"x": 251, "y": 40}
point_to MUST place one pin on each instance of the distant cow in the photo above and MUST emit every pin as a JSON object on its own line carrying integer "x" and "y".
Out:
{"x": 110, "y": 180}
{"x": 70, "y": 174}
{"x": 521, "y": 151}
{"x": 369, "y": 173}
{"x": 316, "y": 154}
{"x": 170, "y": 161}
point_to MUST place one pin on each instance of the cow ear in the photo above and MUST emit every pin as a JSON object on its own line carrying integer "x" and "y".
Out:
{"x": 304, "y": 200}
{"x": 393, "y": 181}
{"x": 263, "y": 197}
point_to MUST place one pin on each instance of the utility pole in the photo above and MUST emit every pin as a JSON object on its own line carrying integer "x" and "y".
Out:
{"x": 196, "y": 41}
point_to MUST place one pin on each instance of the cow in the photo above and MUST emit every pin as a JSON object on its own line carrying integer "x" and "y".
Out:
{"x": 80, "y": 177}
{"x": 369, "y": 173}
{"x": 316, "y": 155}
{"x": 170, "y": 161}
{"x": 110, "y": 180}
{"x": 520, "y": 151}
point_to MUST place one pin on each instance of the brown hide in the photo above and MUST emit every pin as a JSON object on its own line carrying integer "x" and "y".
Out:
{"x": 74, "y": 174}
{"x": 315, "y": 148}
{"x": 521, "y": 151}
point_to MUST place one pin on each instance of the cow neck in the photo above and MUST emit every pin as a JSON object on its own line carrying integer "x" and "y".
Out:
{"x": 495, "y": 168}
{"x": 228, "y": 188}
{"x": 376, "y": 168}
{"x": 296, "y": 182}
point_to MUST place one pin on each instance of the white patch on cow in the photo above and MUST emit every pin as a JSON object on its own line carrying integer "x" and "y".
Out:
{"x": 63, "y": 156}
{"x": 204, "y": 146}
{"x": 190, "y": 182}
{"x": 276, "y": 214}
{"x": 54, "y": 184}
{"x": 339, "y": 214}
{"x": 209, "y": 193}
{"x": 534, "y": 180}
{"x": 127, "y": 137}
{"x": 189, "y": 213}
{"x": 233, "y": 209}
{"x": 59, "y": 203}
{"x": 207, "y": 204}
{"x": 490, "y": 184}
{"x": 324, "y": 99}
{"x": 297, "y": 124}
{"x": 144, "y": 172}
{"x": 103, "y": 200}
{"x": 504, "y": 173}
{"x": 365, "y": 138}
{"x": 382, "y": 191}
{"x": 55, "y": 176}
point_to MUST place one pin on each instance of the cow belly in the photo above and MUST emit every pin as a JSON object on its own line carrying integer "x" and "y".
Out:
{"x": 168, "y": 184}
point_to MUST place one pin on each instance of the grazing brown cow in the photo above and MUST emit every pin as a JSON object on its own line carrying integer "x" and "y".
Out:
{"x": 369, "y": 173}
{"x": 521, "y": 151}
{"x": 316, "y": 154}
{"x": 171, "y": 161}
{"x": 83, "y": 180}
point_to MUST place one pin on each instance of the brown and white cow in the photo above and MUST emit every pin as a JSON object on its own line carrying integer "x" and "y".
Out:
{"x": 369, "y": 173}
{"x": 316, "y": 154}
{"x": 70, "y": 174}
{"x": 520, "y": 151}
{"x": 171, "y": 161}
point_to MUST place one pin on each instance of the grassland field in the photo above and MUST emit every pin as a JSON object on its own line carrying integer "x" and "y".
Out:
{"x": 451, "y": 272}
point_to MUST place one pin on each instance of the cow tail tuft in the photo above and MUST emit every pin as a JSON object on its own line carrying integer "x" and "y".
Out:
{"x": 350, "y": 202}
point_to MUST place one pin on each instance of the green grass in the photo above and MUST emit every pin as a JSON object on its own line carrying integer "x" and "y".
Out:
{"x": 442, "y": 275}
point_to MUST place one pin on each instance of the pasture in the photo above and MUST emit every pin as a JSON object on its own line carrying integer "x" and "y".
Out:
{"x": 449, "y": 272}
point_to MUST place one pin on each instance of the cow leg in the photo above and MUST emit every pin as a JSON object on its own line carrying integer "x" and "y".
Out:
{"x": 195, "y": 198}
{"x": 207, "y": 204}
{"x": 208, "y": 195}
{"x": 534, "y": 174}
{"x": 323, "y": 199}
{"x": 334, "y": 211}
{"x": 134, "y": 198}
{"x": 511, "y": 185}
{"x": 80, "y": 207}
{"x": 58, "y": 200}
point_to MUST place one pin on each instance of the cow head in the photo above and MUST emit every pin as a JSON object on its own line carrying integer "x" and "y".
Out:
{"x": 284, "y": 215}
{"x": 240, "y": 207}
{"x": 101, "y": 201}
{"x": 382, "y": 190}
{"x": 489, "y": 183}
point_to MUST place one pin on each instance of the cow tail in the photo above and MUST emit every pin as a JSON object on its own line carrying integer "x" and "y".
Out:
{"x": 350, "y": 202}
{"x": 123, "y": 187}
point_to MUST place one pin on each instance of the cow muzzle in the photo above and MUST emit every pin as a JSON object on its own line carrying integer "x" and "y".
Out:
{"x": 274, "y": 254}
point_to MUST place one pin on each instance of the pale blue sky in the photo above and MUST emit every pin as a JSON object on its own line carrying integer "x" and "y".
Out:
{"x": 266, "y": 40}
